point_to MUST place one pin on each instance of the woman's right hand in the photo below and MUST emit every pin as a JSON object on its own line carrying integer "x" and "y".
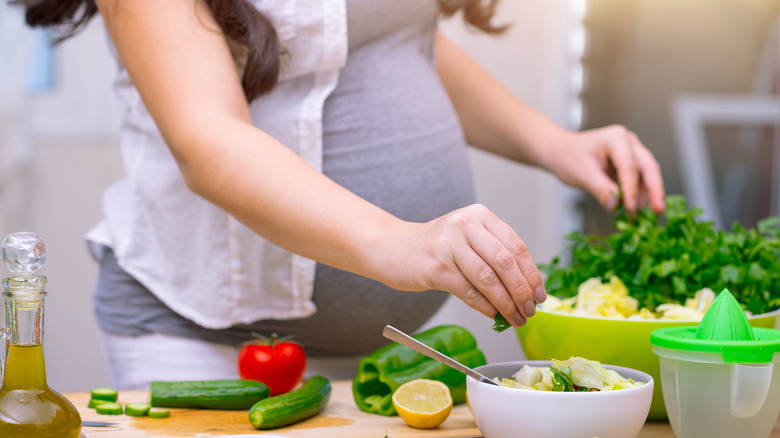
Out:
{"x": 471, "y": 254}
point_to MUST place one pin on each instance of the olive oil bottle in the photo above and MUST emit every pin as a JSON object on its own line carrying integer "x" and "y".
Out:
{"x": 28, "y": 407}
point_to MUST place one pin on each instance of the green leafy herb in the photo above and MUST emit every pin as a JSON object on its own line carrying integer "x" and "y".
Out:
{"x": 563, "y": 380}
{"x": 500, "y": 323}
{"x": 667, "y": 258}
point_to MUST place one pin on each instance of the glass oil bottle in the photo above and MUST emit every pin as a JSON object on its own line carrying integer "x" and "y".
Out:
{"x": 28, "y": 407}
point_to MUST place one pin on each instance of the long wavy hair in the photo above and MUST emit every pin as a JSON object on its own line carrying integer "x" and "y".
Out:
{"x": 240, "y": 22}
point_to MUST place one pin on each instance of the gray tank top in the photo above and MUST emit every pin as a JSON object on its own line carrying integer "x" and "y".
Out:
{"x": 391, "y": 136}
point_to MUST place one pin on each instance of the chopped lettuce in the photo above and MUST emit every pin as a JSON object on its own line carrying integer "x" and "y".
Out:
{"x": 611, "y": 299}
{"x": 576, "y": 374}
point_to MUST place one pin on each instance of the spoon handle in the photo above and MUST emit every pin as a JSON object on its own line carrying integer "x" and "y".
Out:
{"x": 402, "y": 338}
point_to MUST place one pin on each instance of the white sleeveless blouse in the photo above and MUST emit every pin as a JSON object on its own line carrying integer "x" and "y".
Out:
{"x": 265, "y": 281}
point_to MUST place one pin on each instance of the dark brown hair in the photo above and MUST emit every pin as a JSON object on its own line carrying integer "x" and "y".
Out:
{"x": 240, "y": 22}
{"x": 477, "y": 13}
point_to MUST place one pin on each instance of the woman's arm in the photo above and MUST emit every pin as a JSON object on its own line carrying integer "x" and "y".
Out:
{"x": 495, "y": 120}
{"x": 180, "y": 63}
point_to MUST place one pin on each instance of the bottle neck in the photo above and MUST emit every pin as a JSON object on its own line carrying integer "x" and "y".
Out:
{"x": 24, "y": 318}
{"x": 24, "y": 309}
{"x": 24, "y": 366}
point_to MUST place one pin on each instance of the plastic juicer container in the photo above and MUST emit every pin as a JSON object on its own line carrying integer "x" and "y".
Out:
{"x": 719, "y": 379}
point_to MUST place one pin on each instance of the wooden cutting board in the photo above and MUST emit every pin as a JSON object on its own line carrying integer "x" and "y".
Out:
{"x": 341, "y": 418}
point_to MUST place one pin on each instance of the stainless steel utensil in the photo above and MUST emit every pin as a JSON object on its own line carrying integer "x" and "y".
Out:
{"x": 96, "y": 424}
{"x": 402, "y": 338}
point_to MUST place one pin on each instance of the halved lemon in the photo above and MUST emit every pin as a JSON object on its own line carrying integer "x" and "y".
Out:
{"x": 423, "y": 403}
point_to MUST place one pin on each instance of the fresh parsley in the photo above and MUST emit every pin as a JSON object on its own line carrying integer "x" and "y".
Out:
{"x": 500, "y": 323}
{"x": 563, "y": 380}
{"x": 667, "y": 258}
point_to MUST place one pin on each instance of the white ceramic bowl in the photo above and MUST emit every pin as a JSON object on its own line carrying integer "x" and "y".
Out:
{"x": 502, "y": 412}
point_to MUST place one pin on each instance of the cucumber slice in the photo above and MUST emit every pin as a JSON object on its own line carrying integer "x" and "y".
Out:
{"x": 109, "y": 409}
{"x": 93, "y": 403}
{"x": 107, "y": 394}
{"x": 137, "y": 409}
{"x": 158, "y": 413}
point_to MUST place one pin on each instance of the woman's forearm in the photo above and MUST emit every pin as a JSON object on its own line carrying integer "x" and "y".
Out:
{"x": 272, "y": 190}
{"x": 493, "y": 119}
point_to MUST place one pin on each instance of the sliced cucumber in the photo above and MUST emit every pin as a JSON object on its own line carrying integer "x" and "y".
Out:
{"x": 291, "y": 407}
{"x": 107, "y": 394}
{"x": 158, "y": 413}
{"x": 137, "y": 409}
{"x": 93, "y": 403}
{"x": 109, "y": 409}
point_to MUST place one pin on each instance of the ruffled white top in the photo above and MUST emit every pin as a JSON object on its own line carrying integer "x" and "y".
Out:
{"x": 264, "y": 280}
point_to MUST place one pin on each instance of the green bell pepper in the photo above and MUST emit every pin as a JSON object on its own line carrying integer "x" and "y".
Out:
{"x": 383, "y": 371}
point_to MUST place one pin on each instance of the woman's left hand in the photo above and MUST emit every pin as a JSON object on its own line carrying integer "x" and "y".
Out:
{"x": 604, "y": 161}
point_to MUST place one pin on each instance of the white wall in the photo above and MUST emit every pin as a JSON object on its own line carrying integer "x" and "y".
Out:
{"x": 72, "y": 132}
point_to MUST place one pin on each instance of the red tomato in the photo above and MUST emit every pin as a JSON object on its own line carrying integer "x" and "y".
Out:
{"x": 278, "y": 363}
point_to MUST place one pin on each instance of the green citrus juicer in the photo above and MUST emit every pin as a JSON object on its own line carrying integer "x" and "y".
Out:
{"x": 717, "y": 379}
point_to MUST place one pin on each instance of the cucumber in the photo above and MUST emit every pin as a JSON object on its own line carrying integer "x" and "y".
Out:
{"x": 292, "y": 406}
{"x": 137, "y": 409}
{"x": 109, "y": 408}
{"x": 158, "y": 413}
{"x": 107, "y": 394}
{"x": 93, "y": 403}
{"x": 208, "y": 394}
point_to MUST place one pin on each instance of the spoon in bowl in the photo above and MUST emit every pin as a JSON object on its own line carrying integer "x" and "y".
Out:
{"x": 402, "y": 338}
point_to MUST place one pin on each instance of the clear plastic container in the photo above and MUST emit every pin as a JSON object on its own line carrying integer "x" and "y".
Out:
{"x": 720, "y": 379}
{"x": 708, "y": 398}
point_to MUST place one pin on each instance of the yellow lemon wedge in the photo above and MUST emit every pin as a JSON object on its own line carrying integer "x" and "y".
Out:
{"x": 423, "y": 403}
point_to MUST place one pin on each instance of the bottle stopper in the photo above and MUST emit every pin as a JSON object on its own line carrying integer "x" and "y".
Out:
{"x": 23, "y": 253}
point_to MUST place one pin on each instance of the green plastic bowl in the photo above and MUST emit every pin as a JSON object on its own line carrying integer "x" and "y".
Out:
{"x": 622, "y": 342}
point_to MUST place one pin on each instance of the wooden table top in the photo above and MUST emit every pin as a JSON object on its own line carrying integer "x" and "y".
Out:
{"x": 341, "y": 419}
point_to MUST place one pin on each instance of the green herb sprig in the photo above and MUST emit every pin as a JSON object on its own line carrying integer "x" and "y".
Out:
{"x": 667, "y": 258}
{"x": 500, "y": 323}
{"x": 563, "y": 380}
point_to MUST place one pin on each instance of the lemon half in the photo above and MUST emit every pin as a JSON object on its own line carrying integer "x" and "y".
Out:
{"x": 423, "y": 403}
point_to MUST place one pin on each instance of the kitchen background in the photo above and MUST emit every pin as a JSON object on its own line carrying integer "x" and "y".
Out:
{"x": 695, "y": 79}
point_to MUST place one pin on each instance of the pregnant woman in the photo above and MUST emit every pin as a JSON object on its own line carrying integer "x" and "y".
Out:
{"x": 300, "y": 167}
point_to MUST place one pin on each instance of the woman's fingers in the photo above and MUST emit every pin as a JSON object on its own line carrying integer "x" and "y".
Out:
{"x": 497, "y": 265}
{"x": 652, "y": 188}
{"x": 492, "y": 270}
{"x": 522, "y": 256}
{"x": 625, "y": 164}
{"x": 603, "y": 188}
{"x": 461, "y": 288}
{"x": 621, "y": 150}
{"x": 484, "y": 282}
